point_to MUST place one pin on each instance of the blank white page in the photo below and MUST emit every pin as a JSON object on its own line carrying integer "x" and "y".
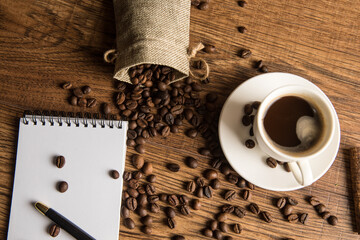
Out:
{"x": 93, "y": 198}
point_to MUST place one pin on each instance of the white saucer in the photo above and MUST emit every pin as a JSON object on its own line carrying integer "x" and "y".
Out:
{"x": 250, "y": 163}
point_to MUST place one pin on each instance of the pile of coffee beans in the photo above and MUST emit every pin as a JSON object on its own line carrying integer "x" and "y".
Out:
{"x": 287, "y": 204}
{"x": 322, "y": 211}
{"x": 200, "y": 4}
{"x": 78, "y": 97}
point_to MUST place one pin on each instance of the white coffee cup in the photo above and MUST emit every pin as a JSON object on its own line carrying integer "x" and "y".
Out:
{"x": 298, "y": 161}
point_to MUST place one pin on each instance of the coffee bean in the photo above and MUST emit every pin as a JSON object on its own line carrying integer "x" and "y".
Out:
{"x": 130, "y": 143}
{"x": 237, "y": 228}
{"x": 325, "y": 215}
{"x": 208, "y": 233}
{"x": 140, "y": 140}
{"x": 133, "y": 183}
{"x": 249, "y": 143}
{"x": 140, "y": 148}
{"x": 127, "y": 176}
{"x": 120, "y": 98}
{"x": 200, "y": 192}
{"x": 213, "y": 225}
{"x": 211, "y": 97}
{"x": 333, "y": 220}
{"x": 240, "y": 212}
{"x": 247, "y": 195}
{"x": 151, "y": 178}
{"x": 129, "y": 223}
{"x": 147, "y": 220}
{"x": 216, "y": 163}
{"x": 124, "y": 195}
{"x": 242, "y": 3}
{"x": 242, "y": 29}
{"x": 303, "y": 218}
{"x": 223, "y": 227}
{"x": 192, "y": 133}
{"x": 173, "y": 167}
{"x": 259, "y": 64}
{"x": 154, "y": 208}
{"x": 73, "y": 100}
{"x": 171, "y": 223}
{"x": 91, "y": 102}
{"x": 292, "y": 201}
{"x": 114, "y": 174}
{"x": 63, "y": 186}
{"x": 174, "y": 129}
{"x": 271, "y": 162}
{"x": 210, "y": 174}
{"x": 131, "y": 134}
{"x": 176, "y": 110}
{"x": 248, "y": 109}
{"x": 60, "y": 161}
{"x": 208, "y": 192}
{"x": 125, "y": 213}
{"x": 281, "y": 202}
{"x": 287, "y": 167}
{"x": 184, "y": 209}
{"x": 188, "y": 113}
{"x": 245, "y": 53}
{"x": 204, "y": 152}
{"x": 141, "y": 189}
{"x": 215, "y": 184}
{"x": 230, "y": 195}
{"x": 320, "y": 208}
{"x": 191, "y": 186}
{"x": 169, "y": 119}
{"x": 293, "y": 218}
{"x": 178, "y": 237}
{"x": 131, "y": 203}
{"x": 173, "y": 200}
{"x": 196, "y": 205}
{"x": 191, "y": 162}
{"x": 183, "y": 200}
{"x": 264, "y": 69}
{"x": 78, "y": 92}
{"x": 256, "y": 104}
{"x": 222, "y": 217}
{"x": 165, "y": 131}
{"x": 86, "y": 89}
{"x": 254, "y": 208}
{"x": 146, "y": 229}
{"x": 54, "y": 230}
{"x": 246, "y": 120}
{"x": 314, "y": 201}
{"x": 266, "y": 216}
{"x": 227, "y": 208}
{"x": 142, "y": 200}
{"x": 287, "y": 210}
{"x": 106, "y": 108}
{"x": 241, "y": 183}
{"x": 200, "y": 181}
{"x": 150, "y": 189}
{"x": 195, "y": 121}
{"x": 218, "y": 235}
{"x": 67, "y": 85}
{"x": 153, "y": 198}
{"x": 82, "y": 102}
{"x": 209, "y": 48}
{"x": 232, "y": 178}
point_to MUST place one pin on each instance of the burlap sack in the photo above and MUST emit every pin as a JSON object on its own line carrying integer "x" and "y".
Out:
{"x": 153, "y": 32}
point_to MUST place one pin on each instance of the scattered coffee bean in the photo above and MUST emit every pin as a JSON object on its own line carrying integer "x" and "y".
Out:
{"x": 184, "y": 209}
{"x": 245, "y": 53}
{"x": 153, "y": 198}
{"x": 225, "y": 169}
{"x": 137, "y": 175}
{"x": 63, "y": 186}
{"x": 292, "y": 201}
{"x": 67, "y": 85}
{"x": 256, "y": 104}
{"x": 221, "y": 217}
{"x": 147, "y": 168}
{"x": 259, "y": 64}
{"x": 141, "y": 189}
{"x": 147, "y": 220}
{"x": 287, "y": 167}
{"x": 210, "y": 174}
{"x": 325, "y": 215}
{"x": 127, "y": 176}
{"x": 131, "y": 203}
{"x": 216, "y": 163}
{"x": 192, "y": 162}
{"x": 242, "y": 29}
{"x": 196, "y": 204}
{"x": 129, "y": 223}
{"x": 130, "y": 143}
{"x": 173, "y": 200}
{"x": 250, "y": 143}
{"x": 208, "y": 192}
{"x": 146, "y": 229}
{"x": 125, "y": 213}
{"x": 303, "y": 218}
{"x": 82, "y": 102}
{"x": 246, "y": 120}
{"x": 73, "y": 100}
{"x": 215, "y": 184}
{"x": 60, "y": 161}
{"x": 213, "y": 225}
{"x": 293, "y": 218}
{"x": 78, "y": 92}
{"x": 230, "y": 195}
{"x": 133, "y": 183}
{"x": 91, "y": 102}
{"x": 266, "y": 216}
{"x": 154, "y": 208}
{"x": 223, "y": 227}
{"x": 200, "y": 181}
{"x": 281, "y": 202}
{"x": 142, "y": 200}
{"x": 271, "y": 162}
{"x": 218, "y": 235}
{"x": 314, "y": 201}
{"x": 106, "y": 108}
{"x": 242, "y": 3}
{"x": 247, "y": 195}
{"x": 191, "y": 186}
{"x": 248, "y": 109}
{"x": 171, "y": 223}
{"x": 288, "y": 209}
{"x": 237, "y": 228}
{"x": 241, "y": 183}
{"x": 150, "y": 189}
{"x": 211, "y": 97}
{"x": 200, "y": 192}
{"x": 320, "y": 208}
{"x": 140, "y": 148}
{"x": 240, "y": 212}
{"x": 263, "y": 69}
{"x": 86, "y": 89}
{"x": 54, "y": 229}
{"x": 140, "y": 140}
{"x": 178, "y": 237}
{"x": 210, "y": 49}
{"x": 208, "y": 233}
{"x": 227, "y": 208}
{"x": 203, "y": 6}
{"x": 204, "y": 152}
{"x": 192, "y": 133}
{"x": 333, "y": 220}
{"x": 173, "y": 167}
{"x": 232, "y": 178}
{"x": 151, "y": 178}
{"x": 183, "y": 200}
{"x": 254, "y": 208}
{"x": 133, "y": 192}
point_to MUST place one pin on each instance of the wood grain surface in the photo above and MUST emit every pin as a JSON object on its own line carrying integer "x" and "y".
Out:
{"x": 44, "y": 43}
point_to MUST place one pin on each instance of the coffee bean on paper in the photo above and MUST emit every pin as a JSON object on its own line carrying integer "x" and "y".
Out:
{"x": 230, "y": 195}
{"x": 73, "y": 100}
{"x": 192, "y": 162}
{"x": 292, "y": 201}
{"x": 60, "y": 161}
{"x": 237, "y": 228}
{"x": 147, "y": 220}
{"x": 173, "y": 167}
{"x": 303, "y": 218}
{"x": 271, "y": 162}
{"x": 82, "y": 102}
{"x": 114, "y": 174}
{"x": 250, "y": 143}
{"x": 151, "y": 178}
{"x": 293, "y": 218}
{"x": 86, "y": 89}
{"x": 142, "y": 200}
{"x": 254, "y": 208}
{"x": 192, "y": 133}
{"x": 281, "y": 202}
{"x": 129, "y": 223}
{"x": 213, "y": 225}
{"x": 63, "y": 186}
{"x": 196, "y": 204}
{"x": 200, "y": 181}
{"x": 210, "y": 49}
{"x": 333, "y": 220}
{"x": 54, "y": 230}
{"x": 266, "y": 216}
{"x": 288, "y": 209}
{"x": 153, "y": 198}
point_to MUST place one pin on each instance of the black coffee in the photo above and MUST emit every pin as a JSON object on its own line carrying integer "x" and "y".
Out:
{"x": 281, "y": 121}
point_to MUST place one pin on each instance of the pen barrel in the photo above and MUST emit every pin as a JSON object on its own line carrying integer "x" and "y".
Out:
{"x": 67, "y": 225}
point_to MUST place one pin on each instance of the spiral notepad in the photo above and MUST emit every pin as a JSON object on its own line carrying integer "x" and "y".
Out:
{"x": 92, "y": 148}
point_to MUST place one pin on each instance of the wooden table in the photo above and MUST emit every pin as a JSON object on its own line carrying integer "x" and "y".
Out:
{"x": 45, "y": 43}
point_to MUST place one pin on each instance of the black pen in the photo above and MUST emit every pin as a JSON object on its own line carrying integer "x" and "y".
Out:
{"x": 63, "y": 222}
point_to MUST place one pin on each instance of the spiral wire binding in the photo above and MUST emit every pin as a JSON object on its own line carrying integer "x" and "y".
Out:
{"x": 68, "y": 118}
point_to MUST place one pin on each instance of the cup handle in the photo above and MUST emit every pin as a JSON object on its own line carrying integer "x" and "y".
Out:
{"x": 302, "y": 172}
